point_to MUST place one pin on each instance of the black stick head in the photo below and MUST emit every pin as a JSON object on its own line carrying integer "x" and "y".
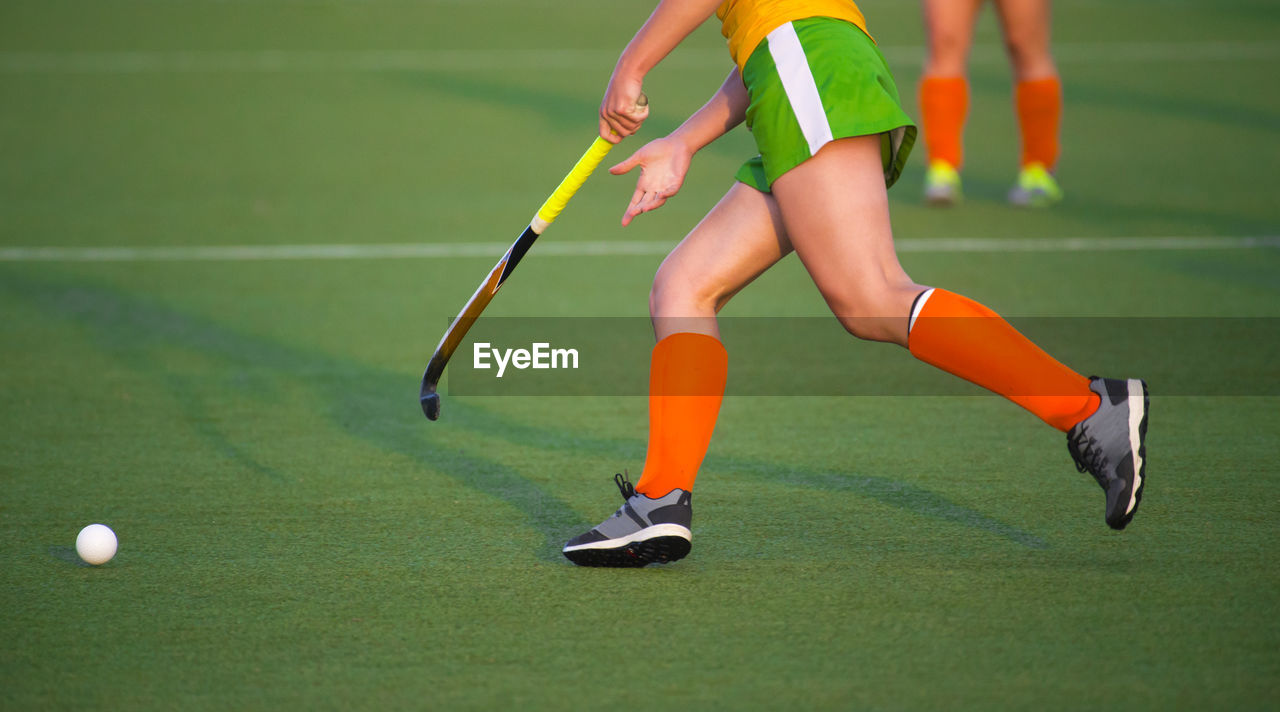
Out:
{"x": 430, "y": 405}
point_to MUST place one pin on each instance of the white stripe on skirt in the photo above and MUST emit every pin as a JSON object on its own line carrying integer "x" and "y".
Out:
{"x": 798, "y": 83}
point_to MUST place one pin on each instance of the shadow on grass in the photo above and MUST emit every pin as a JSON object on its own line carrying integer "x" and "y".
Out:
{"x": 369, "y": 404}
{"x": 68, "y": 554}
{"x": 381, "y": 408}
{"x": 900, "y": 495}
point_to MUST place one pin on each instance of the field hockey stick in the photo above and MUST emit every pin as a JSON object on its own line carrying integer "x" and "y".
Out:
{"x": 547, "y": 214}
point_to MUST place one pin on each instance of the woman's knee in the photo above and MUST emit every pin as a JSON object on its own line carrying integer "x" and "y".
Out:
{"x": 872, "y": 328}
{"x": 674, "y": 293}
{"x": 875, "y": 315}
{"x": 1031, "y": 66}
{"x": 1029, "y": 54}
{"x": 948, "y": 54}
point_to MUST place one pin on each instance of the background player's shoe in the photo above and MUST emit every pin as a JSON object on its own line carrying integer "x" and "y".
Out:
{"x": 1036, "y": 187}
{"x": 642, "y": 531}
{"x": 941, "y": 184}
{"x": 1111, "y": 445}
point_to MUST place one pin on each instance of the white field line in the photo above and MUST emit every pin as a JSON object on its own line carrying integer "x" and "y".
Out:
{"x": 456, "y": 60}
{"x": 494, "y": 250}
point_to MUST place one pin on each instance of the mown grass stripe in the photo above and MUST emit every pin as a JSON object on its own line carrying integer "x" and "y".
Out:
{"x": 453, "y": 250}
{"x": 453, "y": 60}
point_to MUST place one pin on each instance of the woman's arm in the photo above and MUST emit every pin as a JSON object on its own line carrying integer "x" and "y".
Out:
{"x": 669, "y": 24}
{"x": 664, "y": 162}
{"x": 724, "y": 110}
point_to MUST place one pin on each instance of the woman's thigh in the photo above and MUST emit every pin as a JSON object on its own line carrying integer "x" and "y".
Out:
{"x": 948, "y": 28}
{"x": 835, "y": 209}
{"x": 1026, "y": 25}
{"x": 740, "y": 238}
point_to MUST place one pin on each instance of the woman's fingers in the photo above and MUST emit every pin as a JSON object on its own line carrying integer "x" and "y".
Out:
{"x": 643, "y": 201}
{"x": 622, "y": 111}
{"x": 633, "y": 208}
{"x": 626, "y": 165}
{"x": 614, "y": 128}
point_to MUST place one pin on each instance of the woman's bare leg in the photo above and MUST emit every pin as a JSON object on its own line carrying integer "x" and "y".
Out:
{"x": 836, "y": 212}
{"x": 740, "y": 238}
{"x": 1026, "y": 25}
{"x": 948, "y": 28}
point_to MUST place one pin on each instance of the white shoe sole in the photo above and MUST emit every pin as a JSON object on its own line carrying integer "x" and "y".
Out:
{"x": 653, "y": 532}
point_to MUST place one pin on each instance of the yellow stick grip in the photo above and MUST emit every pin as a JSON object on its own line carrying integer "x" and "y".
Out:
{"x": 550, "y": 210}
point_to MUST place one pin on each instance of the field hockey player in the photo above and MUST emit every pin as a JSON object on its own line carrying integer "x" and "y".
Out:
{"x": 944, "y": 97}
{"x": 822, "y": 106}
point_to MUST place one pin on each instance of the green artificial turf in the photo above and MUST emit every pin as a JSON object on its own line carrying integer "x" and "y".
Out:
{"x": 293, "y": 534}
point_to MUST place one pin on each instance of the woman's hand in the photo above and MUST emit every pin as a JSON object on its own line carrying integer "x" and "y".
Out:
{"x": 663, "y": 165}
{"x": 623, "y": 109}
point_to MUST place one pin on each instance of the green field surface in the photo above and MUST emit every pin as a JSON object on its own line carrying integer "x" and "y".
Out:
{"x": 295, "y": 535}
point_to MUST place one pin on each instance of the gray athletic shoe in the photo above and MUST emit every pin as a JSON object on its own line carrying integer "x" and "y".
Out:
{"x": 1111, "y": 445}
{"x": 643, "y": 531}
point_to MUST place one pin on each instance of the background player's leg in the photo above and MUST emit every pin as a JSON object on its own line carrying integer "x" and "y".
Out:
{"x": 1026, "y": 25}
{"x": 1037, "y": 98}
{"x": 836, "y": 212}
{"x": 740, "y": 238}
{"x": 944, "y": 93}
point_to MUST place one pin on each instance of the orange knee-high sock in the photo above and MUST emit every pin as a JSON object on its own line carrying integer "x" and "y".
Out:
{"x": 1039, "y": 105}
{"x": 944, "y": 103}
{"x": 686, "y": 384}
{"x": 966, "y": 339}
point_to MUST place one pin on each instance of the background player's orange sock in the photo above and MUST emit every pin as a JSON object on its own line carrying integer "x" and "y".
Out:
{"x": 944, "y": 103}
{"x": 966, "y": 339}
{"x": 1039, "y": 104}
{"x": 686, "y": 384}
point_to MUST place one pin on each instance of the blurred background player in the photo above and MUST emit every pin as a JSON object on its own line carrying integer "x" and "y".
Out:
{"x": 944, "y": 96}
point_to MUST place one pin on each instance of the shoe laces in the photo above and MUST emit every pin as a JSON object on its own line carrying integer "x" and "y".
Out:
{"x": 1088, "y": 455}
{"x": 624, "y": 485}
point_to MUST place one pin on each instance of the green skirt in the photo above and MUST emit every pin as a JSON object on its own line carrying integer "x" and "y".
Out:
{"x": 813, "y": 81}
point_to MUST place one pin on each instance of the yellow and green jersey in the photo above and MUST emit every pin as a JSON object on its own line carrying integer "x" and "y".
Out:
{"x": 745, "y": 23}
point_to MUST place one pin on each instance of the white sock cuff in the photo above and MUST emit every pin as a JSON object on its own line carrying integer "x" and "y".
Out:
{"x": 917, "y": 307}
